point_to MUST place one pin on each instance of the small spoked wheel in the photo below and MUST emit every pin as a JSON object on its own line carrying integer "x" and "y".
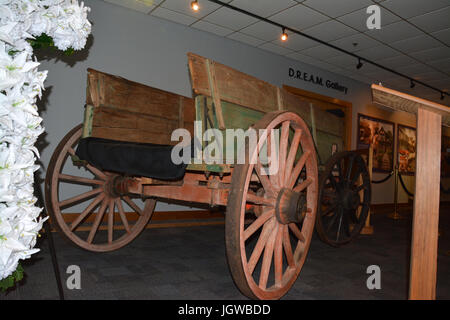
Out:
{"x": 272, "y": 207}
{"x": 344, "y": 198}
{"x": 83, "y": 205}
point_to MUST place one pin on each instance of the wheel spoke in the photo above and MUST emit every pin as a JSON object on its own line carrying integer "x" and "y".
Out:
{"x": 355, "y": 177}
{"x": 132, "y": 205}
{"x": 302, "y": 186}
{"x": 333, "y": 181}
{"x": 267, "y": 258}
{"x": 263, "y": 178}
{"x": 297, "y": 232}
{"x": 346, "y": 223}
{"x": 86, "y": 211}
{"x": 272, "y": 159}
{"x": 328, "y": 210}
{"x": 284, "y": 141}
{"x": 287, "y": 246}
{"x": 259, "y": 247}
{"x": 258, "y": 223}
{"x": 82, "y": 197}
{"x": 350, "y": 168}
{"x": 278, "y": 256}
{"x": 339, "y": 225}
{"x": 339, "y": 170}
{"x": 291, "y": 156}
{"x": 358, "y": 189}
{"x": 98, "y": 220}
{"x": 111, "y": 221}
{"x": 79, "y": 180}
{"x": 122, "y": 215}
{"x": 260, "y": 200}
{"x": 298, "y": 168}
{"x": 331, "y": 223}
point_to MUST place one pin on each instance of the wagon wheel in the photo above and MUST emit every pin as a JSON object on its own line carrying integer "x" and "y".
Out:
{"x": 344, "y": 198}
{"x": 272, "y": 211}
{"x": 103, "y": 224}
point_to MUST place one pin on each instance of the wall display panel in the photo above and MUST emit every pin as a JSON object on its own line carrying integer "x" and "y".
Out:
{"x": 380, "y": 134}
{"x": 406, "y": 149}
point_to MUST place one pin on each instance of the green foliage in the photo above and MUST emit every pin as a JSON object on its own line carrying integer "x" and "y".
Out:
{"x": 44, "y": 41}
{"x": 11, "y": 281}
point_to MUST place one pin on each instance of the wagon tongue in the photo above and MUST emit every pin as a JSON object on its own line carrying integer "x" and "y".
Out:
{"x": 290, "y": 206}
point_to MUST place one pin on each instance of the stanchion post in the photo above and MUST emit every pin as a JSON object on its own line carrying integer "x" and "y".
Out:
{"x": 395, "y": 215}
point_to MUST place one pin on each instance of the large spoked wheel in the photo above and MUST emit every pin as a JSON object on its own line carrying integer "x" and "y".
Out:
{"x": 272, "y": 207}
{"x": 344, "y": 198}
{"x": 96, "y": 218}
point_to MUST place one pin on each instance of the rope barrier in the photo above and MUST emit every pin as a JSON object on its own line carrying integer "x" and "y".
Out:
{"x": 384, "y": 179}
{"x": 404, "y": 186}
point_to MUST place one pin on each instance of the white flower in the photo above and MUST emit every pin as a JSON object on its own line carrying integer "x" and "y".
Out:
{"x": 65, "y": 21}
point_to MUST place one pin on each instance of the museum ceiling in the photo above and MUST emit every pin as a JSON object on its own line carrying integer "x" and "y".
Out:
{"x": 414, "y": 38}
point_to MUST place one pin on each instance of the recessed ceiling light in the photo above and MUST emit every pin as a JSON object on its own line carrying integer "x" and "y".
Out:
{"x": 195, "y": 6}
{"x": 284, "y": 35}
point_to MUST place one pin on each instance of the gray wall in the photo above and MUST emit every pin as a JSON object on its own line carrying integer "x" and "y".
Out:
{"x": 153, "y": 51}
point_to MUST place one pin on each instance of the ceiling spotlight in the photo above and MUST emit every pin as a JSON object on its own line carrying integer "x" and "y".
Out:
{"x": 284, "y": 35}
{"x": 359, "y": 65}
{"x": 412, "y": 85}
{"x": 195, "y": 6}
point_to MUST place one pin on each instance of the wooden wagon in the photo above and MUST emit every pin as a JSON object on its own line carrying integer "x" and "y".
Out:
{"x": 122, "y": 156}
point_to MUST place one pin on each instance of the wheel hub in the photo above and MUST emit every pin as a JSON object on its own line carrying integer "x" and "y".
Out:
{"x": 290, "y": 206}
{"x": 350, "y": 199}
{"x": 117, "y": 185}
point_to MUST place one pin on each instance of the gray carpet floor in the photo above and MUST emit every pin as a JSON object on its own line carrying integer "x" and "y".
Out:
{"x": 190, "y": 263}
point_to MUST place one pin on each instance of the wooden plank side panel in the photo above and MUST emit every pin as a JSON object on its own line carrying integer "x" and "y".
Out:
{"x": 129, "y": 111}
{"x": 131, "y": 135}
{"x": 134, "y": 127}
{"x": 426, "y": 207}
{"x": 245, "y": 90}
{"x": 234, "y": 86}
{"x": 199, "y": 78}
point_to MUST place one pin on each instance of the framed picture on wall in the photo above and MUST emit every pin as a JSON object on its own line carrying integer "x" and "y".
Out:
{"x": 380, "y": 134}
{"x": 406, "y": 149}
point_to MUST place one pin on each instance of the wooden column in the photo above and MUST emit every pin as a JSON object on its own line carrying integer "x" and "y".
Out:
{"x": 430, "y": 117}
{"x": 426, "y": 206}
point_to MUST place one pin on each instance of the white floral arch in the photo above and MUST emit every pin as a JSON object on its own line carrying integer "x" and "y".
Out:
{"x": 64, "y": 21}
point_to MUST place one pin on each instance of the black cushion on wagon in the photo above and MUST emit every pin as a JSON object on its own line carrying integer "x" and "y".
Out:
{"x": 135, "y": 159}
